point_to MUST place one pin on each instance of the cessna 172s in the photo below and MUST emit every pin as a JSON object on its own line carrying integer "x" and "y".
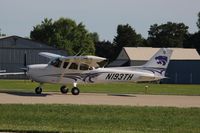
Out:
{"x": 87, "y": 69}
{"x": 79, "y": 69}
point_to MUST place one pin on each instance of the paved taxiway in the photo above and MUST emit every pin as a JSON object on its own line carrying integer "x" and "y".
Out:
{"x": 100, "y": 99}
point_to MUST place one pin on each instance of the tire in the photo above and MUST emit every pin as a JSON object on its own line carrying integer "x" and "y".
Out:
{"x": 63, "y": 89}
{"x": 38, "y": 90}
{"x": 75, "y": 91}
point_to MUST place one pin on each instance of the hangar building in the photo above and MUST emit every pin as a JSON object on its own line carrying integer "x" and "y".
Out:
{"x": 183, "y": 67}
{"x": 17, "y": 52}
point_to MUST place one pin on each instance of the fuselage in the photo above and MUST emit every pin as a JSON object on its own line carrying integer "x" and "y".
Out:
{"x": 86, "y": 69}
{"x": 46, "y": 73}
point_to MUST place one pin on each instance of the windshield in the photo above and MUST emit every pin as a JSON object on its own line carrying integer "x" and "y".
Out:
{"x": 56, "y": 63}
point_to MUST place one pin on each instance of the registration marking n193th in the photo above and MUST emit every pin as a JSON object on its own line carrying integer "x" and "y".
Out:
{"x": 119, "y": 76}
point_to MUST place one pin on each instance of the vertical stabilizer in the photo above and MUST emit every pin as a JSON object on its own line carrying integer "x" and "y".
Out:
{"x": 160, "y": 59}
{"x": 159, "y": 62}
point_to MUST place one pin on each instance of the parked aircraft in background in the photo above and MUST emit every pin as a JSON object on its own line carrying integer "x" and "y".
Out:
{"x": 88, "y": 69}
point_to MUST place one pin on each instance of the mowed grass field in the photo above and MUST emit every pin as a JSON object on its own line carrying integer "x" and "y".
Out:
{"x": 90, "y": 118}
{"x": 99, "y": 118}
{"x": 119, "y": 88}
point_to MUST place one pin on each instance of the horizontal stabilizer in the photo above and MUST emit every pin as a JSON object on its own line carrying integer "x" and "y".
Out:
{"x": 15, "y": 73}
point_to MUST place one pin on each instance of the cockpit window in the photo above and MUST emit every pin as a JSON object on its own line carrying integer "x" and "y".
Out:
{"x": 56, "y": 63}
{"x": 73, "y": 66}
{"x": 65, "y": 64}
{"x": 84, "y": 67}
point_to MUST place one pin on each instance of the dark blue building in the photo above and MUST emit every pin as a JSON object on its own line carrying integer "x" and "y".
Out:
{"x": 184, "y": 67}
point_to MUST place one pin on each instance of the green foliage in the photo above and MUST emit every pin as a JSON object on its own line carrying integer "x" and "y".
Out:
{"x": 1, "y": 34}
{"x": 167, "y": 35}
{"x": 198, "y": 21}
{"x": 89, "y": 118}
{"x": 95, "y": 37}
{"x": 105, "y": 49}
{"x": 126, "y": 37}
{"x": 65, "y": 34}
{"x": 43, "y": 32}
{"x": 193, "y": 41}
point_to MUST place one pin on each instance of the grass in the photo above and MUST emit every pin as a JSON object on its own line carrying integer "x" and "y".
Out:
{"x": 89, "y": 118}
{"x": 21, "y": 85}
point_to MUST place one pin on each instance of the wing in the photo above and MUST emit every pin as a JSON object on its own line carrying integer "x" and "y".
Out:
{"x": 93, "y": 61}
{"x": 50, "y": 55}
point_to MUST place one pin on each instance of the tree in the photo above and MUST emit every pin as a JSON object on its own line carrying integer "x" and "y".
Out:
{"x": 126, "y": 37}
{"x": 1, "y": 34}
{"x": 198, "y": 21}
{"x": 167, "y": 35}
{"x": 95, "y": 37}
{"x": 105, "y": 49}
{"x": 43, "y": 32}
{"x": 64, "y": 34}
{"x": 193, "y": 40}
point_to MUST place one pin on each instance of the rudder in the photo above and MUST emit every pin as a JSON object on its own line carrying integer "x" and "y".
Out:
{"x": 160, "y": 59}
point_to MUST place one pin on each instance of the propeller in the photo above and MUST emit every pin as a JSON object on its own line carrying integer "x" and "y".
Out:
{"x": 25, "y": 68}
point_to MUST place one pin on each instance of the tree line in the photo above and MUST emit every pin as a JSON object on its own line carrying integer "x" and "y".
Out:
{"x": 73, "y": 37}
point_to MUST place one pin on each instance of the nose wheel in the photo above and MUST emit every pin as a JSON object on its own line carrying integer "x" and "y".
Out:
{"x": 75, "y": 91}
{"x": 38, "y": 90}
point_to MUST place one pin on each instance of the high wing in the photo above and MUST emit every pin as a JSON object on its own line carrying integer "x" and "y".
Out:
{"x": 93, "y": 61}
{"x": 50, "y": 55}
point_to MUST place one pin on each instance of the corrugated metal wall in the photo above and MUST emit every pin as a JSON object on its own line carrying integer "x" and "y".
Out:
{"x": 180, "y": 71}
{"x": 183, "y": 72}
{"x": 14, "y": 49}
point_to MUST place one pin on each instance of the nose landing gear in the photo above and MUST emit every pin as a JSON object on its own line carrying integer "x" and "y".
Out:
{"x": 75, "y": 91}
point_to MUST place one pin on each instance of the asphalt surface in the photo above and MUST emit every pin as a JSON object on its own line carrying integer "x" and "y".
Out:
{"x": 100, "y": 99}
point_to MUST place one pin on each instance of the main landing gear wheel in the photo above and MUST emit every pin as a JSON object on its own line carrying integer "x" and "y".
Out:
{"x": 75, "y": 91}
{"x": 63, "y": 89}
{"x": 38, "y": 90}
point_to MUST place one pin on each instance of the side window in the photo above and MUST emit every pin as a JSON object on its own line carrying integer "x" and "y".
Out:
{"x": 84, "y": 67}
{"x": 65, "y": 64}
{"x": 73, "y": 66}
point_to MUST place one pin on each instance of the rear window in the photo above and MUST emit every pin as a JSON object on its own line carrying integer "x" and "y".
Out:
{"x": 84, "y": 67}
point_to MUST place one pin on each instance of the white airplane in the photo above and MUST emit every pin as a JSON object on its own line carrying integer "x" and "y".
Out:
{"x": 86, "y": 69}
